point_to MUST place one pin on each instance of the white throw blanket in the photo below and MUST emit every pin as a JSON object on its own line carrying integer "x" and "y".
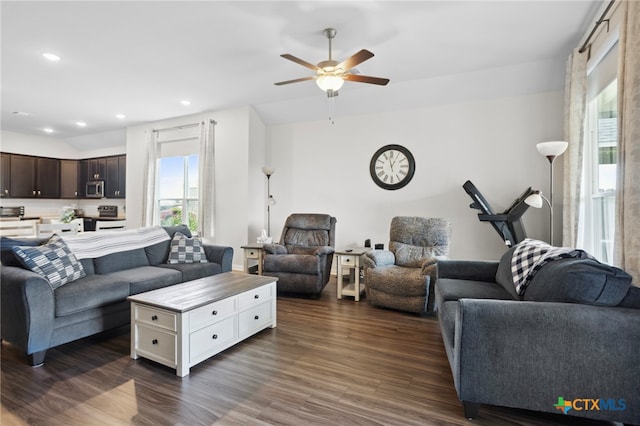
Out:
{"x": 95, "y": 244}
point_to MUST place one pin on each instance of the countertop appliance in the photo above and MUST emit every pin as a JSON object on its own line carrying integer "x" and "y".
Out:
{"x": 14, "y": 212}
{"x": 107, "y": 211}
{"x": 95, "y": 189}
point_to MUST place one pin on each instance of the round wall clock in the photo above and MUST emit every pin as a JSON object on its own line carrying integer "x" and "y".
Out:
{"x": 392, "y": 167}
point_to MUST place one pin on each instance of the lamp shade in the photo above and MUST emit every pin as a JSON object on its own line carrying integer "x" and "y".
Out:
{"x": 534, "y": 200}
{"x": 329, "y": 82}
{"x": 268, "y": 170}
{"x": 552, "y": 149}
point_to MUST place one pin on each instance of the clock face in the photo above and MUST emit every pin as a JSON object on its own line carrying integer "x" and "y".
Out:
{"x": 392, "y": 167}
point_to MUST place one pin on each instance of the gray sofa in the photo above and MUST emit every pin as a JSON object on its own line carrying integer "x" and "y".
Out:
{"x": 573, "y": 335}
{"x": 36, "y": 317}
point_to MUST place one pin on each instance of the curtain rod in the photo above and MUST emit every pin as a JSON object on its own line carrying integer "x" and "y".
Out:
{"x": 595, "y": 28}
{"x": 185, "y": 126}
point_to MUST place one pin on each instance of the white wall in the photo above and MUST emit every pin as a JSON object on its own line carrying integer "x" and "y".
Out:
{"x": 325, "y": 168}
{"x": 239, "y": 151}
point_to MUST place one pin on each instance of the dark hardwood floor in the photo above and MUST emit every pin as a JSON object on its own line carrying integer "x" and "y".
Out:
{"x": 329, "y": 361}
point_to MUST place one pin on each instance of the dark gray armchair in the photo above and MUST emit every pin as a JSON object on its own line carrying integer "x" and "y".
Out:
{"x": 404, "y": 276}
{"x": 302, "y": 260}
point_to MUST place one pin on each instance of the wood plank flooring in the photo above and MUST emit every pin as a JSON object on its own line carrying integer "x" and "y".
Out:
{"x": 329, "y": 362}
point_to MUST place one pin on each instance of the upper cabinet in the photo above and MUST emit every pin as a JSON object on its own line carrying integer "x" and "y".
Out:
{"x": 5, "y": 174}
{"x": 116, "y": 177}
{"x": 25, "y": 176}
{"x": 34, "y": 177}
{"x": 69, "y": 179}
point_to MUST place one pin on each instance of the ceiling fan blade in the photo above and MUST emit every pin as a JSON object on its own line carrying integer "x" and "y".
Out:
{"x": 354, "y": 60}
{"x": 366, "y": 79}
{"x": 299, "y": 61}
{"x": 280, "y": 83}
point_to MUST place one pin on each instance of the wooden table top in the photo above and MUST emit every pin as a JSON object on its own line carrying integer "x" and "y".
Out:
{"x": 193, "y": 294}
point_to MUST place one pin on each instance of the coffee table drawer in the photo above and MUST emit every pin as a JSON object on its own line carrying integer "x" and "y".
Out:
{"x": 155, "y": 317}
{"x": 157, "y": 345}
{"x": 254, "y": 319}
{"x": 207, "y": 341}
{"x": 212, "y": 313}
{"x": 254, "y": 297}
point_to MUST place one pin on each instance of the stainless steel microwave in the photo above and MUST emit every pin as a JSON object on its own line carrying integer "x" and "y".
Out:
{"x": 95, "y": 189}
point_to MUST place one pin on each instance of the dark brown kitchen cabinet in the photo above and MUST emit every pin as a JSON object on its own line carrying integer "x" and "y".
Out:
{"x": 34, "y": 177}
{"x": 69, "y": 178}
{"x": 5, "y": 175}
{"x": 115, "y": 184}
{"x": 96, "y": 168}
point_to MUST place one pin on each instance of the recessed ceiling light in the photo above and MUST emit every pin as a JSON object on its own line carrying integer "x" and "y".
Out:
{"x": 47, "y": 130}
{"x": 21, "y": 113}
{"x": 185, "y": 102}
{"x": 51, "y": 56}
{"x": 81, "y": 124}
{"x": 120, "y": 116}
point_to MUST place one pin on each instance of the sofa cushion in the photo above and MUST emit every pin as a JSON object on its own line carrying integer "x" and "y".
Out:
{"x": 410, "y": 256}
{"x": 453, "y": 289}
{"x": 147, "y": 278}
{"x": 53, "y": 260}
{"x": 158, "y": 253}
{"x": 8, "y": 257}
{"x": 89, "y": 292}
{"x": 186, "y": 250}
{"x": 398, "y": 280}
{"x": 504, "y": 276}
{"x": 584, "y": 281}
{"x": 193, "y": 271}
{"x": 632, "y": 298}
{"x": 120, "y": 261}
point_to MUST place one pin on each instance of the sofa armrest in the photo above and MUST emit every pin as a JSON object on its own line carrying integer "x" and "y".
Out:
{"x": 222, "y": 255}
{"x": 274, "y": 249}
{"x": 376, "y": 258}
{"x": 527, "y": 354}
{"x": 28, "y": 309}
{"x": 477, "y": 270}
{"x": 324, "y": 250}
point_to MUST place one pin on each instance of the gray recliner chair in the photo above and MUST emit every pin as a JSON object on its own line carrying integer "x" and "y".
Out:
{"x": 302, "y": 259}
{"x": 404, "y": 276}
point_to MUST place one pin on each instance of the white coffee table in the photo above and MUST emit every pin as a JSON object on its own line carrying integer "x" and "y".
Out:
{"x": 182, "y": 325}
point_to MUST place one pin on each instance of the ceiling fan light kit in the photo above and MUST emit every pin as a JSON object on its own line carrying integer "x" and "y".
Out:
{"x": 330, "y": 74}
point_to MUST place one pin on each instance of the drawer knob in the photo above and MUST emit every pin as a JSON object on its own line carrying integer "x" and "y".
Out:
{"x": 257, "y": 296}
{"x": 154, "y": 318}
{"x": 347, "y": 260}
{"x": 214, "y": 313}
{"x": 214, "y": 337}
{"x": 250, "y": 253}
{"x": 256, "y": 317}
{"x": 154, "y": 341}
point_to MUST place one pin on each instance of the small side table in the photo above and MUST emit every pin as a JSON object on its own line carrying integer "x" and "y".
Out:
{"x": 350, "y": 258}
{"x": 252, "y": 251}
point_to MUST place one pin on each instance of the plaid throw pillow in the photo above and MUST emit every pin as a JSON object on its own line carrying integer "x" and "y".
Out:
{"x": 186, "y": 250}
{"x": 53, "y": 260}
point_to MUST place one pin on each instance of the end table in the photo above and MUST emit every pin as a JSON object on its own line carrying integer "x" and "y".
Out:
{"x": 252, "y": 251}
{"x": 350, "y": 258}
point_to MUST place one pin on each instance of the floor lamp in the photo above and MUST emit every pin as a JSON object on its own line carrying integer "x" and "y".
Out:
{"x": 268, "y": 171}
{"x": 551, "y": 150}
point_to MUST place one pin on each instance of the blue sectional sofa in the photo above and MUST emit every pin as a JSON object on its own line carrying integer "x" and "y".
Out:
{"x": 36, "y": 317}
{"x": 574, "y": 335}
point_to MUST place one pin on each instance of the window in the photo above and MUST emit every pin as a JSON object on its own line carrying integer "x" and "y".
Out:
{"x": 600, "y": 158}
{"x": 178, "y": 191}
{"x": 177, "y": 178}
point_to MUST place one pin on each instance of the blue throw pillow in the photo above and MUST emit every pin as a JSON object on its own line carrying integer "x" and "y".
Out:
{"x": 53, "y": 260}
{"x": 585, "y": 281}
{"x": 7, "y": 256}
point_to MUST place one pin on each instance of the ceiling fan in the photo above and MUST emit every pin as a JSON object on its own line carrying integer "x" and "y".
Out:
{"x": 330, "y": 74}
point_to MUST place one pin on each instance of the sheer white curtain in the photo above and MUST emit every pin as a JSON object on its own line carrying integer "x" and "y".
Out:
{"x": 149, "y": 205}
{"x": 206, "y": 184}
{"x": 627, "y": 240}
{"x": 574, "y": 115}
